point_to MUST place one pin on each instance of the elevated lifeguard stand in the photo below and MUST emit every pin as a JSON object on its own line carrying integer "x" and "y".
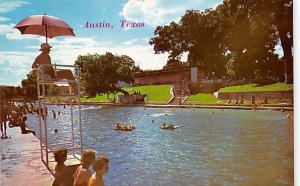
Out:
{"x": 70, "y": 139}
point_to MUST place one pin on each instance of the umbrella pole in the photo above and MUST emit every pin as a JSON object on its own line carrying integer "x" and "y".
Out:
{"x": 46, "y": 34}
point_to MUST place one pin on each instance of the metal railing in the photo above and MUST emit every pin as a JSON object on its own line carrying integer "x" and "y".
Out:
{"x": 42, "y": 80}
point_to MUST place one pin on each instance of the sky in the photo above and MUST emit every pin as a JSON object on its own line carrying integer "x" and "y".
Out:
{"x": 17, "y": 51}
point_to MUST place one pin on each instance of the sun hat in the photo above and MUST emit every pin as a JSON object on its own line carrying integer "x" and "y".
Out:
{"x": 45, "y": 46}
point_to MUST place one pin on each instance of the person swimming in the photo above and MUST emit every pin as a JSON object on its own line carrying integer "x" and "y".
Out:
{"x": 119, "y": 126}
{"x": 171, "y": 126}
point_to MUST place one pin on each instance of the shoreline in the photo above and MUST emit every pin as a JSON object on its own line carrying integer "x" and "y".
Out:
{"x": 188, "y": 106}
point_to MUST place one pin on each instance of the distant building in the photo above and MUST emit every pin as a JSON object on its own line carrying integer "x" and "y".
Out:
{"x": 167, "y": 76}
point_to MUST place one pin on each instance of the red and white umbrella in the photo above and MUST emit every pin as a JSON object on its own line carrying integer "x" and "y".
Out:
{"x": 44, "y": 25}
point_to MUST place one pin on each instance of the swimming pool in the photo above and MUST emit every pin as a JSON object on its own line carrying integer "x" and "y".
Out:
{"x": 214, "y": 147}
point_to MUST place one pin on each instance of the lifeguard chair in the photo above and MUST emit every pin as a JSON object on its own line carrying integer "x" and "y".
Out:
{"x": 70, "y": 140}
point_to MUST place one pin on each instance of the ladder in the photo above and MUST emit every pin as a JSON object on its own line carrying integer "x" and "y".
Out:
{"x": 73, "y": 145}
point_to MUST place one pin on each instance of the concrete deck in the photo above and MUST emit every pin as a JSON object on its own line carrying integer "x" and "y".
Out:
{"x": 21, "y": 162}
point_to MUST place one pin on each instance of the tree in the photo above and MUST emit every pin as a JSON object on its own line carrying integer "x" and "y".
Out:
{"x": 252, "y": 31}
{"x": 280, "y": 14}
{"x": 10, "y": 92}
{"x": 237, "y": 38}
{"x": 170, "y": 39}
{"x": 173, "y": 63}
{"x": 29, "y": 86}
{"x": 248, "y": 38}
{"x": 101, "y": 73}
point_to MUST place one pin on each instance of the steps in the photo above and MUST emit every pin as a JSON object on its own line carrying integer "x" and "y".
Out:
{"x": 180, "y": 91}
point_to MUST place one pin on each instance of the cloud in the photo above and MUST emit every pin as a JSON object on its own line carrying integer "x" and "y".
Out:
{"x": 142, "y": 54}
{"x": 161, "y": 12}
{"x": 131, "y": 42}
{"x": 14, "y": 66}
{"x": 2, "y": 19}
{"x": 8, "y": 5}
{"x": 65, "y": 51}
{"x": 14, "y": 34}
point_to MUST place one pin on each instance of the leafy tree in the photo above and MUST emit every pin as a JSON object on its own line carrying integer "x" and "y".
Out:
{"x": 253, "y": 29}
{"x": 280, "y": 16}
{"x": 237, "y": 38}
{"x": 203, "y": 35}
{"x": 172, "y": 63}
{"x": 101, "y": 73}
{"x": 170, "y": 39}
{"x": 9, "y": 92}
{"x": 30, "y": 86}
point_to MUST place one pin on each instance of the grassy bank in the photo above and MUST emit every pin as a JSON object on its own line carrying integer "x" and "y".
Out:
{"x": 202, "y": 99}
{"x": 256, "y": 88}
{"x": 211, "y": 99}
{"x": 155, "y": 93}
{"x": 161, "y": 93}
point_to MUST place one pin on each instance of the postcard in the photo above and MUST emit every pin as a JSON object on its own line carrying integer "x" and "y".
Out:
{"x": 147, "y": 92}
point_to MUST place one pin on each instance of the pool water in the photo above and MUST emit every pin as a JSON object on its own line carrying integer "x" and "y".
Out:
{"x": 214, "y": 146}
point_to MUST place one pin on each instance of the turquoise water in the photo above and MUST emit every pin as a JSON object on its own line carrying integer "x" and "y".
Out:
{"x": 214, "y": 147}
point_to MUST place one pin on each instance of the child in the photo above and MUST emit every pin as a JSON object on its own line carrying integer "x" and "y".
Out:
{"x": 82, "y": 174}
{"x": 63, "y": 176}
{"x": 23, "y": 126}
{"x": 100, "y": 165}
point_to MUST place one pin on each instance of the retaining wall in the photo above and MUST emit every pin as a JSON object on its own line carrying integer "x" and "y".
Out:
{"x": 270, "y": 95}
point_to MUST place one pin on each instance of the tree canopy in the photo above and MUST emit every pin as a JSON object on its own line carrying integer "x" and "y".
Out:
{"x": 101, "y": 73}
{"x": 236, "y": 39}
{"x": 30, "y": 86}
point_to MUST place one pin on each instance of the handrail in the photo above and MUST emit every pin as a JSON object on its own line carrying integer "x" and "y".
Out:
{"x": 56, "y": 65}
{"x": 42, "y": 80}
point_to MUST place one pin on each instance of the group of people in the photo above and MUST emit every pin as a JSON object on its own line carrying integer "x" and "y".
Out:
{"x": 15, "y": 116}
{"x": 82, "y": 176}
{"x": 123, "y": 127}
{"x": 237, "y": 102}
{"x": 241, "y": 101}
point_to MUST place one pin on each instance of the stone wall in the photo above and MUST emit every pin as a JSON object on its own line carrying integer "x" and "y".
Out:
{"x": 270, "y": 95}
{"x": 131, "y": 98}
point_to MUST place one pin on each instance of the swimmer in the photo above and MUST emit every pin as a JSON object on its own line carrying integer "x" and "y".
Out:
{"x": 54, "y": 114}
{"x": 55, "y": 131}
{"x": 131, "y": 127}
{"x": 164, "y": 126}
{"x": 171, "y": 126}
{"x": 118, "y": 126}
{"x": 126, "y": 128}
